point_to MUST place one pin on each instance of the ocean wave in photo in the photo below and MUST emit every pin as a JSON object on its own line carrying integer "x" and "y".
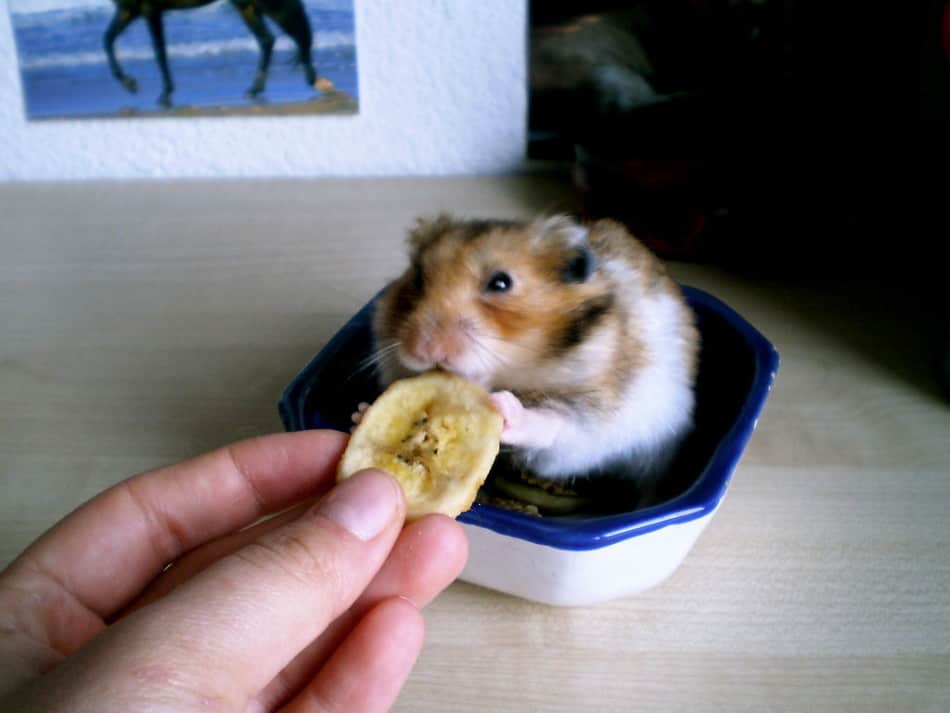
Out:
{"x": 328, "y": 40}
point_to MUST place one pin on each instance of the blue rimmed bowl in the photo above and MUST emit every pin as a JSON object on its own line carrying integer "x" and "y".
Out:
{"x": 574, "y": 561}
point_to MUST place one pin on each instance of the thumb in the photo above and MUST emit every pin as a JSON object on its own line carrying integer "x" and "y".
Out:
{"x": 225, "y": 634}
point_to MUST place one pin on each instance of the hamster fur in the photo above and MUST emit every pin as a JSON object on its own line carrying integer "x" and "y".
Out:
{"x": 586, "y": 343}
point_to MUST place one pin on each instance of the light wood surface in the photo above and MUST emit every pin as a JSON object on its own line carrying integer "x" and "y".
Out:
{"x": 144, "y": 323}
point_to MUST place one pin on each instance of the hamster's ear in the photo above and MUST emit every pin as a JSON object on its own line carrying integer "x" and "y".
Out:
{"x": 563, "y": 227}
{"x": 427, "y": 229}
{"x": 579, "y": 266}
{"x": 580, "y": 262}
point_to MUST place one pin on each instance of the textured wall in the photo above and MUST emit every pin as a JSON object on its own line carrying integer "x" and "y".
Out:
{"x": 442, "y": 91}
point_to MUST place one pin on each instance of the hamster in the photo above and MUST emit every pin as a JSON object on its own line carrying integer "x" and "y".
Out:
{"x": 586, "y": 344}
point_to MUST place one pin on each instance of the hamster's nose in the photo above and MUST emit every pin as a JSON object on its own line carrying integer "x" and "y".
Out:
{"x": 439, "y": 347}
{"x": 436, "y": 351}
{"x": 427, "y": 348}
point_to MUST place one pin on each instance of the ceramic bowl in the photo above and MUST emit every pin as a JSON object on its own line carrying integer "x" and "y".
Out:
{"x": 583, "y": 560}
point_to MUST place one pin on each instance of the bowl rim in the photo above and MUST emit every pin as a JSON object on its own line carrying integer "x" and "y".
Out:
{"x": 700, "y": 500}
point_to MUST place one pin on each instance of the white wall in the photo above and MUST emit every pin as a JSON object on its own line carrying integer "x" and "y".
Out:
{"x": 442, "y": 91}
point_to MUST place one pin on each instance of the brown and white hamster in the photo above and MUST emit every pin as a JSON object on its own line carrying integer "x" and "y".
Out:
{"x": 587, "y": 344}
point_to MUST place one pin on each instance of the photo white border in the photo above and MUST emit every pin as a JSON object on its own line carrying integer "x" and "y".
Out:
{"x": 443, "y": 91}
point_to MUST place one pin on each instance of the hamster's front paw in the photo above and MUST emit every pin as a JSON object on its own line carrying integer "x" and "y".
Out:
{"x": 524, "y": 427}
{"x": 357, "y": 415}
{"x": 512, "y": 410}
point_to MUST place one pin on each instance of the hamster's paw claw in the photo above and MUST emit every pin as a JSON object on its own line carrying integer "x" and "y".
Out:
{"x": 357, "y": 415}
{"x": 525, "y": 427}
{"x": 511, "y": 409}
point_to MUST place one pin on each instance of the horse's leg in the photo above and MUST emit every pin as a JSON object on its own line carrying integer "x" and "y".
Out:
{"x": 255, "y": 23}
{"x": 292, "y": 19}
{"x": 120, "y": 21}
{"x": 157, "y": 29}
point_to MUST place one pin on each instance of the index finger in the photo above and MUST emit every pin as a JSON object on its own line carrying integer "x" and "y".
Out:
{"x": 105, "y": 552}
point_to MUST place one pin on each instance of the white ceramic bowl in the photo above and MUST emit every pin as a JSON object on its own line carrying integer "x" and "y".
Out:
{"x": 569, "y": 560}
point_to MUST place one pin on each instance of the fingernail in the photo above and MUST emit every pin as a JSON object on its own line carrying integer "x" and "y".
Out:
{"x": 363, "y": 504}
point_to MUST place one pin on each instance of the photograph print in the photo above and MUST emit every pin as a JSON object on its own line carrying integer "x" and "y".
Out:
{"x": 100, "y": 58}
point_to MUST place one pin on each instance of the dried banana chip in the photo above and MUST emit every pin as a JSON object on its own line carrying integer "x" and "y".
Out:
{"x": 438, "y": 434}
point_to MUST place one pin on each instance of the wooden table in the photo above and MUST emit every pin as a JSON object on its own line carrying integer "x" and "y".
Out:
{"x": 141, "y": 323}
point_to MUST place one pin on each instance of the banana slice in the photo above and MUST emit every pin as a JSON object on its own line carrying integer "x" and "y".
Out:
{"x": 438, "y": 434}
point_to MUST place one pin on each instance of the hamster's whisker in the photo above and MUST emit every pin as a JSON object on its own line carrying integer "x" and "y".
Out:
{"x": 484, "y": 356}
{"x": 380, "y": 354}
{"x": 493, "y": 357}
{"x": 375, "y": 359}
{"x": 489, "y": 358}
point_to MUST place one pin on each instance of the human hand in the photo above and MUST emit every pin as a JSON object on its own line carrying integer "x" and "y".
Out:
{"x": 316, "y": 609}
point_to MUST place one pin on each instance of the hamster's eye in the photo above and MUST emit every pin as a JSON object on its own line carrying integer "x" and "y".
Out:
{"x": 418, "y": 280}
{"x": 499, "y": 282}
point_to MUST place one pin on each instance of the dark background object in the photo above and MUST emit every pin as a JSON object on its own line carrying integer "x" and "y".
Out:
{"x": 729, "y": 130}
{"x": 776, "y": 138}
